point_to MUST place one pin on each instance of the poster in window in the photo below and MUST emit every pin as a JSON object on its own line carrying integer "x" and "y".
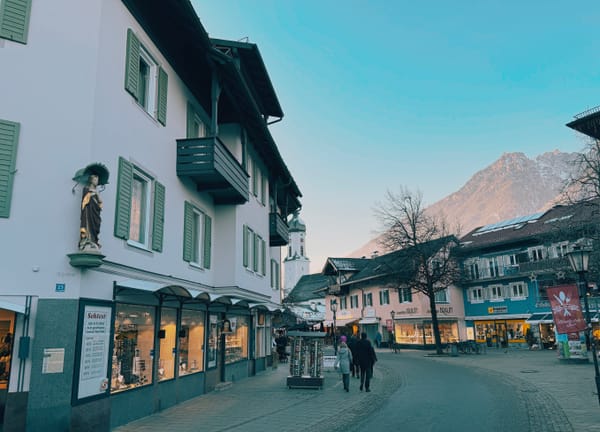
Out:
{"x": 95, "y": 343}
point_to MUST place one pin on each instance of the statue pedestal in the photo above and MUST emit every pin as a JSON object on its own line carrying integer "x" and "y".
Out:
{"x": 86, "y": 259}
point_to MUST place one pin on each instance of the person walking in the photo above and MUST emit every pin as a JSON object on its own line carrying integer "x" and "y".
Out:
{"x": 343, "y": 362}
{"x": 354, "y": 368}
{"x": 366, "y": 360}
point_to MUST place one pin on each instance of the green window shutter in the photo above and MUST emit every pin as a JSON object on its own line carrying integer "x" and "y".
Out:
{"x": 163, "y": 79}
{"x": 245, "y": 247}
{"x": 9, "y": 137}
{"x": 158, "y": 218}
{"x": 255, "y": 240}
{"x": 263, "y": 189}
{"x": 254, "y": 179}
{"x": 132, "y": 64}
{"x": 264, "y": 256}
{"x": 207, "y": 240}
{"x": 277, "y": 275}
{"x": 123, "y": 206}
{"x": 188, "y": 232}
{"x": 14, "y": 19}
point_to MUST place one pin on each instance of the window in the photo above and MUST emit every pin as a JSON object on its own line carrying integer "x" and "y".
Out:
{"x": 367, "y": 299}
{"x": 197, "y": 229}
{"x": 353, "y": 301}
{"x": 476, "y": 295}
{"x": 196, "y": 128}
{"x": 14, "y": 20}
{"x": 536, "y": 254}
{"x": 140, "y": 208}
{"x": 405, "y": 295}
{"x": 441, "y": 296}
{"x": 9, "y": 137}
{"x": 495, "y": 292}
{"x": 343, "y": 303}
{"x": 191, "y": 342}
{"x": 145, "y": 80}
{"x": 384, "y": 297}
{"x": 133, "y": 347}
{"x": 518, "y": 290}
{"x": 255, "y": 251}
{"x": 493, "y": 267}
{"x": 236, "y": 341}
{"x": 561, "y": 249}
{"x": 275, "y": 275}
{"x": 474, "y": 270}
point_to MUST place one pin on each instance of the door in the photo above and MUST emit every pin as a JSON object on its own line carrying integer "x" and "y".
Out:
{"x": 501, "y": 335}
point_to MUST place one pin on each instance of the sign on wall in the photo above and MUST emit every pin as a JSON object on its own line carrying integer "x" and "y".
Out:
{"x": 95, "y": 344}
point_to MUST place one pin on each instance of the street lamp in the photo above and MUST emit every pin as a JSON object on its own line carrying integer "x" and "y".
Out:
{"x": 334, "y": 310}
{"x": 579, "y": 259}
{"x": 393, "y": 314}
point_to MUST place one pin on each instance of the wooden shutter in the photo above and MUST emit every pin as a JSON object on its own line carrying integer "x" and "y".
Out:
{"x": 132, "y": 64}
{"x": 188, "y": 232}
{"x": 255, "y": 241}
{"x": 207, "y": 240}
{"x": 161, "y": 109}
{"x": 158, "y": 217}
{"x": 264, "y": 256}
{"x": 123, "y": 205}
{"x": 9, "y": 137}
{"x": 14, "y": 19}
{"x": 245, "y": 247}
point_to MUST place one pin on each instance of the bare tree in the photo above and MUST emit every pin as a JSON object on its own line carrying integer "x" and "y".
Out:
{"x": 406, "y": 225}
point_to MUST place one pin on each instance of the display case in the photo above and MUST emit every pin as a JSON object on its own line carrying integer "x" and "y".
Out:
{"x": 306, "y": 360}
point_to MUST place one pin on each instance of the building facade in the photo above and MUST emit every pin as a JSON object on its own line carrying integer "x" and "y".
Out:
{"x": 144, "y": 203}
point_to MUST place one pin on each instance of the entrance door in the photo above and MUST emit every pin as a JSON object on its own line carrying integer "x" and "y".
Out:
{"x": 501, "y": 335}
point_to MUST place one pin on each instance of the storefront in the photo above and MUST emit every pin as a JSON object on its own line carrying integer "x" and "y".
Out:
{"x": 418, "y": 333}
{"x": 541, "y": 331}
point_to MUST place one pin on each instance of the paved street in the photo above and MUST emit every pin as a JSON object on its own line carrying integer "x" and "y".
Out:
{"x": 518, "y": 390}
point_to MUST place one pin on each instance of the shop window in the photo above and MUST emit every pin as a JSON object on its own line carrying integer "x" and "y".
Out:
{"x": 213, "y": 341}
{"x": 191, "y": 342}
{"x": 236, "y": 341}
{"x": 167, "y": 336}
{"x": 7, "y": 320}
{"x": 261, "y": 341}
{"x": 133, "y": 347}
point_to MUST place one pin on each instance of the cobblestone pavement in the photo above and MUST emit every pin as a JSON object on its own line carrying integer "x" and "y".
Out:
{"x": 559, "y": 397}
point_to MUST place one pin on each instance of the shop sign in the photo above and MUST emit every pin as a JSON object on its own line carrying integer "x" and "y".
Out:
{"x": 407, "y": 311}
{"x": 566, "y": 308}
{"x": 497, "y": 310}
{"x": 95, "y": 343}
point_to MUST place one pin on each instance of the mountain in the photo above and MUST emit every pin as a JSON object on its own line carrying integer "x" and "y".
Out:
{"x": 512, "y": 186}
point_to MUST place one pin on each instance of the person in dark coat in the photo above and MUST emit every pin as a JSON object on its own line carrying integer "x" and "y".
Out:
{"x": 354, "y": 368}
{"x": 366, "y": 359}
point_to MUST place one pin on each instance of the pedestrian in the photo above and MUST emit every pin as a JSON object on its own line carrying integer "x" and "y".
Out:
{"x": 378, "y": 340}
{"x": 343, "y": 361}
{"x": 354, "y": 368}
{"x": 366, "y": 361}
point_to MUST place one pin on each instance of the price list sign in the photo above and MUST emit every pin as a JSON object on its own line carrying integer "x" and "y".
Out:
{"x": 95, "y": 342}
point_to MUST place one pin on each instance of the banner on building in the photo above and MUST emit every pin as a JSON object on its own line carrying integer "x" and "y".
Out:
{"x": 566, "y": 308}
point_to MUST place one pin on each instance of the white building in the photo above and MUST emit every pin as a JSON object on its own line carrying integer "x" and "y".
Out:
{"x": 193, "y": 213}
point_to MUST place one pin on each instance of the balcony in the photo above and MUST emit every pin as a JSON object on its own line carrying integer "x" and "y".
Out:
{"x": 208, "y": 163}
{"x": 550, "y": 265}
{"x": 587, "y": 122}
{"x": 278, "y": 230}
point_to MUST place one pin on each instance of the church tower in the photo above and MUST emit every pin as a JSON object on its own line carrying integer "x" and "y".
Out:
{"x": 295, "y": 264}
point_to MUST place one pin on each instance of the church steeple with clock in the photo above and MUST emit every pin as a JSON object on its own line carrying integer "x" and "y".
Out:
{"x": 296, "y": 264}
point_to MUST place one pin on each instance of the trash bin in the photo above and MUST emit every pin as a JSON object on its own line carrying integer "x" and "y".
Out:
{"x": 454, "y": 349}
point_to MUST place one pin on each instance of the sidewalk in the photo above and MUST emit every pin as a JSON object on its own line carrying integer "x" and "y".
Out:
{"x": 264, "y": 403}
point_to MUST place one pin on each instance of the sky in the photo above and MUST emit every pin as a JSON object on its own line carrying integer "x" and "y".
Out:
{"x": 384, "y": 94}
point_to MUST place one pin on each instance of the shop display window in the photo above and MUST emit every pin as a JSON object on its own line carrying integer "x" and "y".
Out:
{"x": 515, "y": 331}
{"x": 236, "y": 341}
{"x": 7, "y": 320}
{"x": 191, "y": 342}
{"x": 409, "y": 333}
{"x": 133, "y": 347}
{"x": 213, "y": 340}
{"x": 167, "y": 336}
{"x": 261, "y": 341}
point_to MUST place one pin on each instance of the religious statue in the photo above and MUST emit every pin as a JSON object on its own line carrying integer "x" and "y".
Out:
{"x": 91, "y": 205}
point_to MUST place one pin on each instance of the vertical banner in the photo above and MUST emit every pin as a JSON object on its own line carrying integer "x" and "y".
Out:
{"x": 566, "y": 309}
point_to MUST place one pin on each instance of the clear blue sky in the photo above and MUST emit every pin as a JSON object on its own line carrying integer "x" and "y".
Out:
{"x": 383, "y": 93}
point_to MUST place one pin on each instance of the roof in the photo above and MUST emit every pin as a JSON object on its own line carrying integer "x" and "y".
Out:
{"x": 309, "y": 287}
{"x": 334, "y": 265}
{"x": 399, "y": 263}
{"x": 533, "y": 228}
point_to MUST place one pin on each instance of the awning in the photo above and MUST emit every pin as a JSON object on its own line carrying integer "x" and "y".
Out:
{"x": 340, "y": 322}
{"x": 540, "y": 318}
{"x": 369, "y": 320}
{"x": 13, "y": 304}
{"x": 154, "y": 287}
